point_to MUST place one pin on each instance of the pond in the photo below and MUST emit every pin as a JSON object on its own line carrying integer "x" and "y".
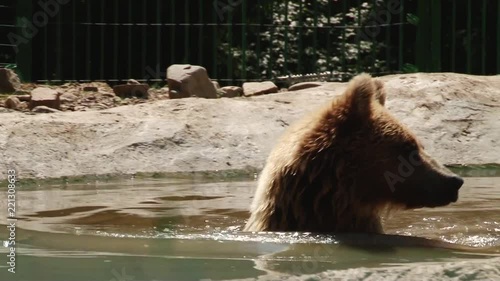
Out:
{"x": 190, "y": 229}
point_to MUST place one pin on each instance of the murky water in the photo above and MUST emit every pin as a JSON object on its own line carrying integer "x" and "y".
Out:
{"x": 190, "y": 230}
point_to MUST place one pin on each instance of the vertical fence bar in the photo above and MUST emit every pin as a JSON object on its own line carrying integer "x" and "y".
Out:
{"x": 315, "y": 34}
{"x": 301, "y": 35}
{"x": 358, "y": 38}
{"x": 103, "y": 52}
{"x": 402, "y": 22}
{"x": 59, "y": 48}
{"x": 270, "y": 63}
{"x": 187, "y": 25}
{"x": 469, "y": 36}
{"x": 200, "y": 32}
{"x": 344, "y": 27}
{"x": 129, "y": 41}
{"x": 215, "y": 27}
{"x": 374, "y": 38}
{"x": 453, "y": 35}
{"x": 115, "y": 40}
{"x": 436, "y": 35}
{"x": 329, "y": 40}
{"x": 483, "y": 37}
{"x": 230, "y": 42}
{"x": 259, "y": 22}
{"x": 73, "y": 41}
{"x": 173, "y": 27}
{"x": 24, "y": 10}
{"x": 423, "y": 38}
{"x": 498, "y": 37}
{"x": 244, "y": 38}
{"x": 45, "y": 52}
{"x": 158, "y": 40}
{"x": 88, "y": 45}
{"x": 287, "y": 71}
{"x": 388, "y": 43}
{"x": 144, "y": 47}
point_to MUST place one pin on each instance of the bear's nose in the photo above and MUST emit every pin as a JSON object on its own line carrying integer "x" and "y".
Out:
{"x": 456, "y": 182}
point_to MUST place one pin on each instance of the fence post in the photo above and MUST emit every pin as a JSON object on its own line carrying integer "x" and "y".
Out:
{"x": 24, "y": 9}
{"x": 498, "y": 38}
{"x": 423, "y": 38}
{"x": 436, "y": 36}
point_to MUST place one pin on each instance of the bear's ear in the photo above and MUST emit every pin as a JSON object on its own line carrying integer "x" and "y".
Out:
{"x": 380, "y": 93}
{"x": 361, "y": 93}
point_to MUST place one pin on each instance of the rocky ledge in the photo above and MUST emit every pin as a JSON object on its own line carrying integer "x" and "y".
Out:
{"x": 456, "y": 116}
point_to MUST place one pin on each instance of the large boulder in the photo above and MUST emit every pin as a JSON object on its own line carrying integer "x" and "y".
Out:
{"x": 259, "y": 88}
{"x": 186, "y": 80}
{"x": 45, "y": 97}
{"x": 9, "y": 81}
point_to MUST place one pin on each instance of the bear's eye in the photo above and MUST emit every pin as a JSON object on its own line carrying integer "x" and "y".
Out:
{"x": 416, "y": 157}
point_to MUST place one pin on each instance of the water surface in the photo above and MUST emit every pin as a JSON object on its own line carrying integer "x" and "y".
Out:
{"x": 191, "y": 230}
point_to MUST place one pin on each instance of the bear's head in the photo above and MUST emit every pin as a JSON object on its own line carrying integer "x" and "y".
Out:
{"x": 388, "y": 161}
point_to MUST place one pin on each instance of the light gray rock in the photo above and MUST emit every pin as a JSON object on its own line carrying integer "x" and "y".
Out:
{"x": 46, "y": 97}
{"x": 455, "y": 116}
{"x": 259, "y": 88}
{"x": 12, "y": 102}
{"x": 186, "y": 80}
{"x": 231, "y": 91}
{"x": 304, "y": 85}
{"x": 133, "y": 82}
{"x": 9, "y": 81}
{"x": 44, "y": 109}
{"x": 68, "y": 97}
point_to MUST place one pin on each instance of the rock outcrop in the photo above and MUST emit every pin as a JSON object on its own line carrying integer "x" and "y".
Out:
{"x": 456, "y": 117}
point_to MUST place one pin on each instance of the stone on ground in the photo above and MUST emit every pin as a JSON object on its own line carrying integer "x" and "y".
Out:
{"x": 45, "y": 97}
{"x": 259, "y": 88}
{"x": 304, "y": 85}
{"x": 186, "y": 80}
{"x": 9, "y": 81}
{"x": 132, "y": 90}
{"x": 231, "y": 91}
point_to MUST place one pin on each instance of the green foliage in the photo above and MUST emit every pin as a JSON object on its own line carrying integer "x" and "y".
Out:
{"x": 410, "y": 68}
{"x": 11, "y": 66}
{"x": 413, "y": 19}
{"x": 299, "y": 37}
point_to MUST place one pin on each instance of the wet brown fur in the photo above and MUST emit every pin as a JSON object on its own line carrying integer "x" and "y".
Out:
{"x": 318, "y": 179}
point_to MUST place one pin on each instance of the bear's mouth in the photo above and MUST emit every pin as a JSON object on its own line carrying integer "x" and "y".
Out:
{"x": 444, "y": 199}
{"x": 432, "y": 199}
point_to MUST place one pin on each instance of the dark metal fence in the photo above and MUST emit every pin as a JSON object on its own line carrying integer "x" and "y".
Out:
{"x": 241, "y": 40}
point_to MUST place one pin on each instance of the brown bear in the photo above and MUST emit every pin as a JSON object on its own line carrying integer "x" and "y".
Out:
{"x": 339, "y": 168}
